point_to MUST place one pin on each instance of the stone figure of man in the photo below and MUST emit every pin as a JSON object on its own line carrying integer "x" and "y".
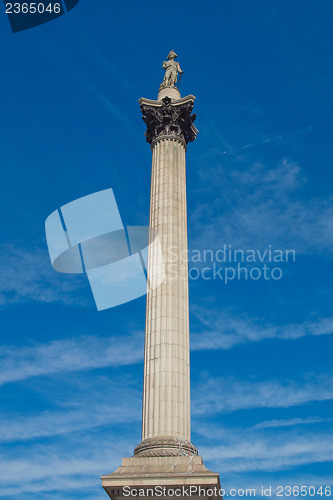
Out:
{"x": 172, "y": 69}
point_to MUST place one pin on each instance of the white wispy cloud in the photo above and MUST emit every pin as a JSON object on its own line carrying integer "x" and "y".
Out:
{"x": 56, "y": 422}
{"x": 259, "y": 206}
{"x": 27, "y": 275}
{"x": 77, "y": 403}
{"x": 267, "y": 140}
{"x": 222, "y": 329}
{"x": 267, "y": 424}
{"x": 220, "y": 395}
{"x": 255, "y": 453}
{"x": 68, "y": 355}
{"x": 241, "y": 450}
{"x": 77, "y": 462}
{"x": 84, "y": 353}
{"x": 76, "y": 459}
{"x": 72, "y": 465}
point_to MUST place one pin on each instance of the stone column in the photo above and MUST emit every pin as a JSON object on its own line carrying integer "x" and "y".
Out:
{"x": 166, "y": 393}
{"x": 165, "y": 457}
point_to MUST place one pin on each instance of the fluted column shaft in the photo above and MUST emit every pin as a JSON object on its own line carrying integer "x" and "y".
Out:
{"x": 166, "y": 389}
{"x": 166, "y": 397}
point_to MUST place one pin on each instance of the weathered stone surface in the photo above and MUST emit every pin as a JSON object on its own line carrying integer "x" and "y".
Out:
{"x": 166, "y": 456}
{"x": 169, "y": 118}
{"x": 166, "y": 447}
{"x": 166, "y": 396}
{"x": 176, "y": 472}
{"x": 171, "y": 68}
{"x": 171, "y": 92}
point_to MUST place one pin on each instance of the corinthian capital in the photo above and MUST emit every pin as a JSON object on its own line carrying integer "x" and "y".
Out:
{"x": 169, "y": 119}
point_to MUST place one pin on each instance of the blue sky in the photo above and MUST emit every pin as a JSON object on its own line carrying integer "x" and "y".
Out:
{"x": 259, "y": 174}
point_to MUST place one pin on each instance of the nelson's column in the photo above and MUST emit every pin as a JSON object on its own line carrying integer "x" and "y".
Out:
{"x": 166, "y": 457}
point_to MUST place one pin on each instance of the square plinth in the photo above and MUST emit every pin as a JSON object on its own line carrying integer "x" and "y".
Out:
{"x": 149, "y": 478}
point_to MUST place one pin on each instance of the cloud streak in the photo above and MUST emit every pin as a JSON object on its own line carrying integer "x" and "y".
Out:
{"x": 254, "y": 453}
{"x": 69, "y": 355}
{"x": 28, "y": 276}
{"x": 223, "y": 330}
{"x": 223, "y": 395}
{"x": 261, "y": 206}
{"x": 71, "y": 466}
{"x": 238, "y": 451}
{"x": 268, "y": 424}
{"x": 84, "y": 353}
{"x": 57, "y": 423}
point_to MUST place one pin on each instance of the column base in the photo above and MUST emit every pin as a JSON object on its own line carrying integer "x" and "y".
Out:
{"x": 153, "y": 478}
{"x": 165, "y": 447}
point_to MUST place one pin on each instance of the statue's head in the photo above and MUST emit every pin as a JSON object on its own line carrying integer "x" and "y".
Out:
{"x": 172, "y": 55}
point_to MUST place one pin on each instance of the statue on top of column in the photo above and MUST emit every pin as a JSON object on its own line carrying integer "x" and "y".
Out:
{"x": 172, "y": 69}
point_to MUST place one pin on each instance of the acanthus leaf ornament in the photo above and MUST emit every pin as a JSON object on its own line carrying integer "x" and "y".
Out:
{"x": 169, "y": 120}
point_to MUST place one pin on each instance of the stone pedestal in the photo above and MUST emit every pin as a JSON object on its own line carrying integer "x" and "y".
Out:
{"x": 166, "y": 457}
{"x": 162, "y": 477}
{"x": 171, "y": 92}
